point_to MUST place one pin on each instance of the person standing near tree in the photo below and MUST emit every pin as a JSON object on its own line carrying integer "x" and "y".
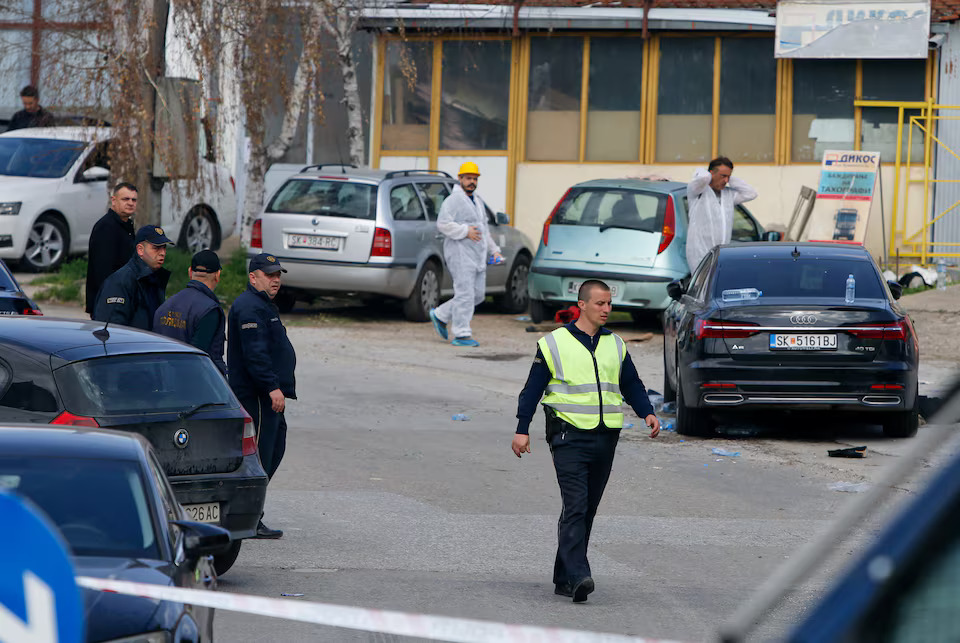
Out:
{"x": 587, "y": 375}
{"x": 32, "y": 114}
{"x": 467, "y": 244}
{"x": 111, "y": 241}
{"x": 712, "y": 195}
{"x": 131, "y": 295}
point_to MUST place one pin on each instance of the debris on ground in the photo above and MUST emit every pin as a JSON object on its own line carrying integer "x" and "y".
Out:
{"x": 850, "y": 487}
{"x": 849, "y": 452}
{"x": 719, "y": 451}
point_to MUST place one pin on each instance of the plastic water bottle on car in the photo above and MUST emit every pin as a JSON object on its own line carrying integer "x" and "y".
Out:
{"x": 851, "y": 290}
{"x": 740, "y": 294}
{"x": 941, "y": 275}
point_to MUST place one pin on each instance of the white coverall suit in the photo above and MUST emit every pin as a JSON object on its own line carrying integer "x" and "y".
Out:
{"x": 466, "y": 260}
{"x": 710, "y": 219}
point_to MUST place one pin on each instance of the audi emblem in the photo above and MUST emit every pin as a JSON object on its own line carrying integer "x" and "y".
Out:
{"x": 804, "y": 320}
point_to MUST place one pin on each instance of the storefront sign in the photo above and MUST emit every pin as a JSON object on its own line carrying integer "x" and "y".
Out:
{"x": 872, "y": 29}
{"x": 844, "y": 195}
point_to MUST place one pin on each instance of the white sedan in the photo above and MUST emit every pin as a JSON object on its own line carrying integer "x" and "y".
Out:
{"x": 53, "y": 188}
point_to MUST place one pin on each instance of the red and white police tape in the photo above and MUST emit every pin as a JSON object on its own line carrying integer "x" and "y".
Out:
{"x": 440, "y": 628}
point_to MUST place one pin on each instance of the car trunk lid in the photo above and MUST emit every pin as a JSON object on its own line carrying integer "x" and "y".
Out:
{"x": 615, "y": 227}
{"x": 322, "y": 218}
{"x": 207, "y": 442}
{"x": 804, "y": 334}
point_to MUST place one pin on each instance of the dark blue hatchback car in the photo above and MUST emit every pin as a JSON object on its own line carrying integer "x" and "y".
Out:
{"x": 69, "y": 372}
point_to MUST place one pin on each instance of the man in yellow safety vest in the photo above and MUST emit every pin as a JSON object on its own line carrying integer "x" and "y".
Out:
{"x": 587, "y": 374}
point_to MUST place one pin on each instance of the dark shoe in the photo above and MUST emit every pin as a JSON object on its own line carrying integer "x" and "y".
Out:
{"x": 564, "y": 589}
{"x": 581, "y": 589}
{"x": 266, "y": 533}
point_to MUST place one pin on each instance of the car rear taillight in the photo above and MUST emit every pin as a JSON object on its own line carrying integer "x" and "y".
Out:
{"x": 249, "y": 443}
{"x": 70, "y": 419}
{"x": 382, "y": 243}
{"x": 710, "y": 328}
{"x": 546, "y": 224}
{"x": 897, "y": 330}
{"x": 31, "y": 311}
{"x": 669, "y": 230}
{"x": 256, "y": 234}
{"x": 887, "y": 387}
{"x": 233, "y": 185}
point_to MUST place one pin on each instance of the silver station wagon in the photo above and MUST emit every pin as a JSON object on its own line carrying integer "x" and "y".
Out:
{"x": 342, "y": 230}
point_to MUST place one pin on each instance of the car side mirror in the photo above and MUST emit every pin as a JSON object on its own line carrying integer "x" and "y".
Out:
{"x": 675, "y": 290}
{"x": 895, "y": 289}
{"x": 95, "y": 173}
{"x": 772, "y": 235}
{"x": 202, "y": 539}
{"x": 502, "y": 218}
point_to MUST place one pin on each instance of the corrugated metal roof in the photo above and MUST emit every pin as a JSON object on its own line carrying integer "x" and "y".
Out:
{"x": 942, "y": 10}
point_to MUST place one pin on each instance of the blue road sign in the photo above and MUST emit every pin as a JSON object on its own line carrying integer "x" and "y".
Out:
{"x": 39, "y": 598}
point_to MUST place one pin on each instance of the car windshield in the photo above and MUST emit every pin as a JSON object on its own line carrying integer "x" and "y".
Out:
{"x": 801, "y": 278}
{"x": 138, "y": 384}
{"x": 42, "y": 158}
{"x": 326, "y": 198}
{"x": 100, "y": 506}
{"x": 612, "y": 208}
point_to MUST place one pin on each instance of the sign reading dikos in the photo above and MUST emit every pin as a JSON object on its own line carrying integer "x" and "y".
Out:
{"x": 844, "y": 196}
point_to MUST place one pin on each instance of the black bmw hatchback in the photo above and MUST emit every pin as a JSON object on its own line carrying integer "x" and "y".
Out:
{"x": 790, "y": 326}
{"x": 70, "y": 372}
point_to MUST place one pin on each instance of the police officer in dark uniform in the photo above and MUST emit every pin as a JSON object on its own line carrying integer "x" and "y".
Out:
{"x": 132, "y": 294}
{"x": 587, "y": 374}
{"x": 194, "y": 315}
{"x": 111, "y": 241}
{"x": 261, "y": 363}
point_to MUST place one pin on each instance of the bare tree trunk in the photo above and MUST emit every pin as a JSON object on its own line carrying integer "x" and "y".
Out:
{"x": 345, "y": 26}
{"x": 137, "y": 59}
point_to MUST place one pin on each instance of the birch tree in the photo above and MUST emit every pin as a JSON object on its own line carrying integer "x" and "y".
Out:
{"x": 340, "y": 20}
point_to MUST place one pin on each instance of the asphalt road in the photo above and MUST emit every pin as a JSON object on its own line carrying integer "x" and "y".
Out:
{"x": 388, "y": 503}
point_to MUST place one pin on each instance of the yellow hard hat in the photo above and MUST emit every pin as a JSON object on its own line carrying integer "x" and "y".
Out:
{"x": 469, "y": 168}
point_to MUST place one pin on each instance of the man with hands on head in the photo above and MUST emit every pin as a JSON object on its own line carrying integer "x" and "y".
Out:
{"x": 261, "y": 363}
{"x": 587, "y": 374}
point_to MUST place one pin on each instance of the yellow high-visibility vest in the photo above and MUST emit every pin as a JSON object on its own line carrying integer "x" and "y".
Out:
{"x": 580, "y": 394}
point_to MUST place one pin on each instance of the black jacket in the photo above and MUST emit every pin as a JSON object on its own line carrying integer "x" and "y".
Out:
{"x": 132, "y": 294}
{"x": 194, "y": 316}
{"x": 632, "y": 388}
{"x": 24, "y": 119}
{"x": 111, "y": 246}
{"x": 260, "y": 357}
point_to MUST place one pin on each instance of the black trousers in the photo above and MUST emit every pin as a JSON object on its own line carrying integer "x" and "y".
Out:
{"x": 271, "y": 431}
{"x": 583, "y": 460}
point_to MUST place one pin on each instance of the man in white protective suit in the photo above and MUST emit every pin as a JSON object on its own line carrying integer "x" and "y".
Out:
{"x": 467, "y": 245}
{"x": 712, "y": 195}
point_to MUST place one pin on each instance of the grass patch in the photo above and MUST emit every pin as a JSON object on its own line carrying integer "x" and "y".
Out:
{"x": 233, "y": 278}
{"x": 66, "y": 285}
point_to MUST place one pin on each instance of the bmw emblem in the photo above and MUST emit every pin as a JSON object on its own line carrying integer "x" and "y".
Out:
{"x": 180, "y": 438}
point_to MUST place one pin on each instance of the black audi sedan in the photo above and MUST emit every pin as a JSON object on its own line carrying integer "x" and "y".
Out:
{"x": 71, "y": 372}
{"x": 106, "y": 494}
{"x": 790, "y": 326}
{"x": 13, "y": 301}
